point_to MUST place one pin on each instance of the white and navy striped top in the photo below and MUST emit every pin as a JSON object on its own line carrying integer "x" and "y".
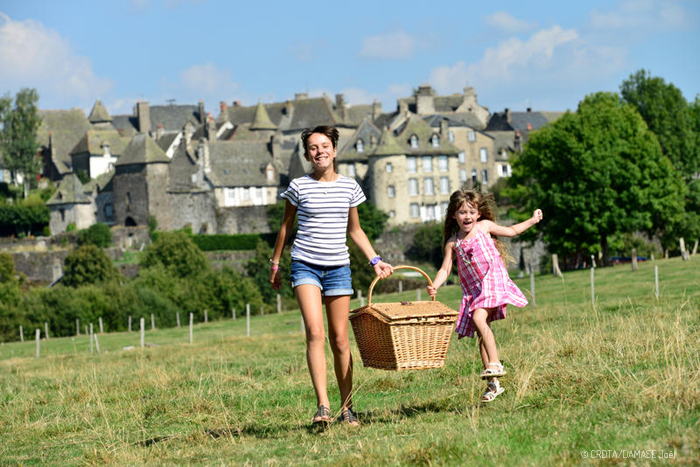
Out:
{"x": 323, "y": 208}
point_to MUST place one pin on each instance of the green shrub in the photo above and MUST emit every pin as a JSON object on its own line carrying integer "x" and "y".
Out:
{"x": 427, "y": 244}
{"x": 71, "y": 227}
{"x": 177, "y": 253}
{"x": 236, "y": 242}
{"x": 7, "y": 268}
{"x": 97, "y": 234}
{"x": 22, "y": 219}
{"x": 88, "y": 264}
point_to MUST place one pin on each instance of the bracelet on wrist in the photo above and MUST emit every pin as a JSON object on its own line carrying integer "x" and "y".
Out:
{"x": 274, "y": 268}
{"x": 375, "y": 260}
{"x": 276, "y": 263}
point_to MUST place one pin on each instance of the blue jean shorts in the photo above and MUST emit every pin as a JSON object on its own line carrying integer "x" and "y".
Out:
{"x": 332, "y": 280}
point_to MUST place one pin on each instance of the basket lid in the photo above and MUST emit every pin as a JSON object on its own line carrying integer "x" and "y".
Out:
{"x": 396, "y": 311}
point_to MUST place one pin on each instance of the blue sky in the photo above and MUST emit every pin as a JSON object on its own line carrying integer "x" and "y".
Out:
{"x": 542, "y": 54}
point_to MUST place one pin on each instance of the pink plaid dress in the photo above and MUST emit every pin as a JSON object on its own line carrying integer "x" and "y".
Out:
{"x": 485, "y": 282}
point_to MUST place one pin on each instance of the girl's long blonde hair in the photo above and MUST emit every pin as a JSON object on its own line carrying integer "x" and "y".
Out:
{"x": 486, "y": 206}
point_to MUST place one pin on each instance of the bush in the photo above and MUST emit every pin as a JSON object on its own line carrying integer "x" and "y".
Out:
{"x": 88, "y": 264}
{"x": 427, "y": 244}
{"x": 97, "y": 234}
{"x": 236, "y": 242}
{"x": 23, "y": 219}
{"x": 7, "y": 268}
{"x": 71, "y": 227}
{"x": 177, "y": 253}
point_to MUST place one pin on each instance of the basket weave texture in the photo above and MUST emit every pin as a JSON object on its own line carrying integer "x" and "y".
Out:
{"x": 403, "y": 335}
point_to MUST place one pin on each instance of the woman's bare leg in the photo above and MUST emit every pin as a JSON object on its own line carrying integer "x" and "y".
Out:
{"x": 311, "y": 304}
{"x": 337, "y": 309}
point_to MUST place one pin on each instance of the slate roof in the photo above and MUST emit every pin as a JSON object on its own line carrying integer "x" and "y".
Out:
{"x": 387, "y": 145}
{"x": 174, "y": 117}
{"x": 99, "y": 113}
{"x": 103, "y": 183}
{"x": 69, "y": 191}
{"x": 523, "y": 121}
{"x": 290, "y": 116}
{"x": 365, "y": 131}
{"x": 126, "y": 124}
{"x": 142, "y": 149}
{"x": 415, "y": 125}
{"x": 239, "y": 163}
{"x": 67, "y": 128}
{"x": 92, "y": 142}
{"x": 261, "y": 120}
{"x": 165, "y": 141}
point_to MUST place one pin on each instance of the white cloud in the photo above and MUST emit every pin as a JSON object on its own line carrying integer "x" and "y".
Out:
{"x": 504, "y": 21}
{"x": 389, "y": 46}
{"x": 643, "y": 15}
{"x": 206, "y": 79}
{"x": 32, "y": 55}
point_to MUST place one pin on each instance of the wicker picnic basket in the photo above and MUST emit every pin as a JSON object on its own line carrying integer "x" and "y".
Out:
{"x": 404, "y": 335}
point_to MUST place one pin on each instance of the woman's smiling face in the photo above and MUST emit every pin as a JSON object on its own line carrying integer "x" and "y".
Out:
{"x": 320, "y": 151}
{"x": 466, "y": 216}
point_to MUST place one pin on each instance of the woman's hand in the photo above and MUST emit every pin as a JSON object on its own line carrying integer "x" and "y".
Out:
{"x": 432, "y": 291}
{"x": 537, "y": 215}
{"x": 275, "y": 278}
{"x": 383, "y": 269}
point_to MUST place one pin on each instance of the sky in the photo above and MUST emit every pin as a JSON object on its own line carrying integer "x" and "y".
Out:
{"x": 545, "y": 55}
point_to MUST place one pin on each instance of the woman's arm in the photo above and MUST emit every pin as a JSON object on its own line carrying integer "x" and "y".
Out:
{"x": 358, "y": 236}
{"x": 444, "y": 271}
{"x": 290, "y": 212}
{"x": 512, "y": 230}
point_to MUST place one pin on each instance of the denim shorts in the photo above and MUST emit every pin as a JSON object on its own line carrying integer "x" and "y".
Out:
{"x": 332, "y": 280}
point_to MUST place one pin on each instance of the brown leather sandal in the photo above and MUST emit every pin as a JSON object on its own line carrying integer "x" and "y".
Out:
{"x": 349, "y": 417}
{"x": 323, "y": 415}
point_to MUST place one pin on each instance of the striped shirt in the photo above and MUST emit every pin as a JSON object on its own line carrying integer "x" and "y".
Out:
{"x": 323, "y": 208}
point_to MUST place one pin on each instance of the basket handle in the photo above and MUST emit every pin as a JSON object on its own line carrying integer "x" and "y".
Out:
{"x": 403, "y": 266}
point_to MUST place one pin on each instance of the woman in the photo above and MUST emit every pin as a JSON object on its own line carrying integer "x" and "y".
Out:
{"x": 327, "y": 206}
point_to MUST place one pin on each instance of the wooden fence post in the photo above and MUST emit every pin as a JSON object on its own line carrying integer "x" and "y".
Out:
{"x": 21, "y": 333}
{"x": 38, "y": 342}
{"x": 592, "y": 286}
{"x": 129, "y": 323}
{"x": 656, "y": 281}
{"x": 153, "y": 322}
{"x": 102, "y": 329}
{"x": 262, "y": 312}
{"x": 191, "y": 328}
{"x": 247, "y": 319}
{"x": 418, "y": 291}
{"x": 233, "y": 314}
{"x": 684, "y": 252}
{"x": 532, "y": 286}
{"x": 400, "y": 286}
{"x": 555, "y": 266}
{"x": 279, "y": 303}
{"x": 177, "y": 316}
{"x": 91, "y": 334}
{"x": 206, "y": 316}
{"x": 77, "y": 326}
{"x": 142, "y": 324}
{"x": 46, "y": 330}
{"x": 97, "y": 343}
{"x": 634, "y": 259}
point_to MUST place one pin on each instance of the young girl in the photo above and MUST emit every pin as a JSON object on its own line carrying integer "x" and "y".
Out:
{"x": 469, "y": 236}
{"x": 327, "y": 205}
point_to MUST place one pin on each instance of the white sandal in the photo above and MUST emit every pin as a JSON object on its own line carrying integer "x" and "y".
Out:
{"x": 493, "y": 390}
{"x": 493, "y": 372}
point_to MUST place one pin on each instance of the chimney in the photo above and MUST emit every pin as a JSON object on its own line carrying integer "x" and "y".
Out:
{"x": 376, "y": 109}
{"x": 210, "y": 128}
{"x": 202, "y": 115}
{"x": 444, "y": 127}
{"x": 203, "y": 155}
{"x": 517, "y": 142}
{"x": 300, "y": 96}
{"x": 275, "y": 145}
{"x": 223, "y": 108}
{"x": 529, "y": 109}
{"x": 159, "y": 131}
{"x": 288, "y": 107}
{"x": 143, "y": 117}
{"x": 507, "y": 115}
{"x": 236, "y": 103}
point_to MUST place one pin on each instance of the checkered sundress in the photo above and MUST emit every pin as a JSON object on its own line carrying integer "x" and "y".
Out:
{"x": 485, "y": 282}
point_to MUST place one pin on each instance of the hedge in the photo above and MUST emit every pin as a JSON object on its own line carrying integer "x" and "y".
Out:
{"x": 230, "y": 242}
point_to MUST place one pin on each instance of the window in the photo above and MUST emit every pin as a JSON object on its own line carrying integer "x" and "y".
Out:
{"x": 390, "y": 191}
{"x": 270, "y": 172}
{"x": 411, "y": 165}
{"x": 471, "y": 136}
{"x": 504, "y": 170}
{"x": 351, "y": 170}
{"x": 431, "y": 212}
{"x": 428, "y": 186}
{"x": 473, "y": 175}
{"x": 392, "y": 213}
{"x": 427, "y": 164}
{"x": 485, "y": 176}
{"x": 389, "y": 168}
{"x": 436, "y": 141}
{"x": 442, "y": 163}
{"x": 109, "y": 212}
{"x": 451, "y": 136}
{"x": 360, "y": 146}
{"x": 484, "y": 155}
{"x": 245, "y": 193}
{"x": 444, "y": 186}
{"x": 462, "y": 157}
{"x": 443, "y": 208}
{"x": 414, "y": 210}
{"x": 414, "y": 141}
{"x": 412, "y": 186}
{"x": 462, "y": 175}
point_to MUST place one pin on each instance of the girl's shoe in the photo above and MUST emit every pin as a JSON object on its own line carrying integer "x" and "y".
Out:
{"x": 493, "y": 390}
{"x": 323, "y": 416}
{"x": 493, "y": 370}
{"x": 349, "y": 417}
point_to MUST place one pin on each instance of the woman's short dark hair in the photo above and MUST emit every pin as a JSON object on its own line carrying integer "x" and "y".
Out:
{"x": 330, "y": 131}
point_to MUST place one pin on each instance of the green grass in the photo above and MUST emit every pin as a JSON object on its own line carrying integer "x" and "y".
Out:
{"x": 622, "y": 374}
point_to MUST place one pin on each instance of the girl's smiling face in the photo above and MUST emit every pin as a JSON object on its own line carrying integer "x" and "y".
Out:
{"x": 466, "y": 216}
{"x": 320, "y": 151}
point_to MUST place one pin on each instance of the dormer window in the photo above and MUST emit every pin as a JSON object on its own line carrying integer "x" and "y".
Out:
{"x": 270, "y": 173}
{"x": 471, "y": 136}
{"x": 360, "y": 146}
{"x": 414, "y": 141}
{"x": 436, "y": 141}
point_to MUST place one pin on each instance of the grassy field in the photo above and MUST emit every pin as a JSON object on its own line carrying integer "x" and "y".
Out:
{"x": 611, "y": 382}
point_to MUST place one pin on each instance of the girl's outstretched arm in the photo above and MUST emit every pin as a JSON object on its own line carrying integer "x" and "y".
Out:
{"x": 359, "y": 236}
{"x": 290, "y": 212}
{"x": 444, "y": 271}
{"x": 512, "y": 230}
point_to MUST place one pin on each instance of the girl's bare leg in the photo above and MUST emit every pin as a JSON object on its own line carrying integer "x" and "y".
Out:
{"x": 337, "y": 309}
{"x": 311, "y": 304}
{"x": 487, "y": 343}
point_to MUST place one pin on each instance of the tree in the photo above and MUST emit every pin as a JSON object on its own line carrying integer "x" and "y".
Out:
{"x": 372, "y": 219}
{"x": 177, "y": 253}
{"x": 596, "y": 173}
{"x": 7, "y": 268}
{"x": 88, "y": 264}
{"x": 18, "y": 135}
{"x": 668, "y": 115}
{"x": 98, "y": 234}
